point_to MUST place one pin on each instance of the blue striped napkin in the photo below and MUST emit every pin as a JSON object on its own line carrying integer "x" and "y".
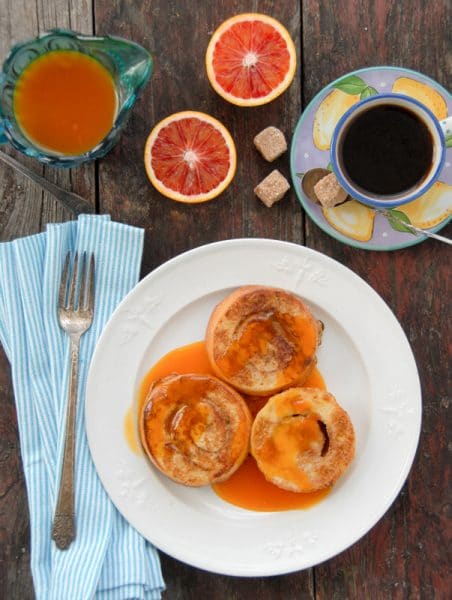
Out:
{"x": 108, "y": 560}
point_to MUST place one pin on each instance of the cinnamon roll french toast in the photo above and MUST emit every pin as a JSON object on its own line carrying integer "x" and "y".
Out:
{"x": 302, "y": 440}
{"x": 262, "y": 340}
{"x": 195, "y": 428}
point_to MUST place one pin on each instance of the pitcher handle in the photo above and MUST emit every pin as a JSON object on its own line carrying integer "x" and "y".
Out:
{"x": 446, "y": 126}
{"x": 3, "y": 138}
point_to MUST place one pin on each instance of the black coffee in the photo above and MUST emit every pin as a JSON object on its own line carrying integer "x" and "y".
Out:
{"x": 387, "y": 150}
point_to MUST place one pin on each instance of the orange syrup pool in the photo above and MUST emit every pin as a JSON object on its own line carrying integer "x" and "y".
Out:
{"x": 247, "y": 487}
{"x": 65, "y": 102}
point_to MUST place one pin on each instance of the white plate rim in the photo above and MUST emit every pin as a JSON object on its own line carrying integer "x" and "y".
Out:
{"x": 308, "y": 268}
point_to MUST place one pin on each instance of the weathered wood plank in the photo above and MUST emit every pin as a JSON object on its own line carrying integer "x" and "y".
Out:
{"x": 25, "y": 209}
{"x": 404, "y": 556}
{"x": 168, "y": 30}
{"x": 15, "y": 576}
{"x": 187, "y": 583}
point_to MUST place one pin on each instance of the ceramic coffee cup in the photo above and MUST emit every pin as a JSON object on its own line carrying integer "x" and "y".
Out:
{"x": 358, "y": 142}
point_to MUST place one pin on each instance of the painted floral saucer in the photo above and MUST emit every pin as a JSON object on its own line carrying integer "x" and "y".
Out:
{"x": 353, "y": 223}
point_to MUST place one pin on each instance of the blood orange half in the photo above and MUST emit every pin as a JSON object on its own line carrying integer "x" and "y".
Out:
{"x": 190, "y": 157}
{"x": 250, "y": 59}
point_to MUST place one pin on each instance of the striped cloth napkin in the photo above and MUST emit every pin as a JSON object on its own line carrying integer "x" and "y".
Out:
{"x": 108, "y": 560}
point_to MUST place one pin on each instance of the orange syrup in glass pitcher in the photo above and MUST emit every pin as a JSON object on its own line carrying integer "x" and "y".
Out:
{"x": 65, "y": 102}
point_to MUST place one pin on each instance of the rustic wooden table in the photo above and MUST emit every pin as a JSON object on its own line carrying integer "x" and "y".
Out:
{"x": 405, "y": 555}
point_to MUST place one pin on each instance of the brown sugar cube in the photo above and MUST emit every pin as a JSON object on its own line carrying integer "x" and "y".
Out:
{"x": 271, "y": 143}
{"x": 329, "y": 192}
{"x": 272, "y": 188}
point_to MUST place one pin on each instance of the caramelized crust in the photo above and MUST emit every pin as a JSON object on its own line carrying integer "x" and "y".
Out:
{"x": 302, "y": 440}
{"x": 262, "y": 340}
{"x": 195, "y": 428}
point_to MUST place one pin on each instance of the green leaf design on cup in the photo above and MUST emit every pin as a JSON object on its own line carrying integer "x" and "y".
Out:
{"x": 368, "y": 92}
{"x": 299, "y": 175}
{"x": 398, "y": 220}
{"x": 329, "y": 166}
{"x": 351, "y": 84}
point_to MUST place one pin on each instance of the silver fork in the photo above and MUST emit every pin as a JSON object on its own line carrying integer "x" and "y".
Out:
{"x": 75, "y": 315}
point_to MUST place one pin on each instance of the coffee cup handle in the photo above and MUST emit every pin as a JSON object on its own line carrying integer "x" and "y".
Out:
{"x": 446, "y": 126}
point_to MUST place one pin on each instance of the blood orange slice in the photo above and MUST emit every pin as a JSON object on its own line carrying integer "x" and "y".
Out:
{"x": 250, "y": 59}
{"x": 190, "y": 157}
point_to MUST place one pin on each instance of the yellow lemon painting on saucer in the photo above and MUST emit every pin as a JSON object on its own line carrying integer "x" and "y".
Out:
{"x": 351, "y": 222}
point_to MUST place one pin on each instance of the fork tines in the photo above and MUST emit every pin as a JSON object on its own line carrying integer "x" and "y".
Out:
{"x": 79, "y": 277}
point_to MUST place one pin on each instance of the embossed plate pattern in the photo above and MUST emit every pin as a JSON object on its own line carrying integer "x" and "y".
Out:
{"x": 365, "y": 359}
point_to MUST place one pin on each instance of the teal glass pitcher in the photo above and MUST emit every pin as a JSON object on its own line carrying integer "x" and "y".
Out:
{"x": 129, "y": 65}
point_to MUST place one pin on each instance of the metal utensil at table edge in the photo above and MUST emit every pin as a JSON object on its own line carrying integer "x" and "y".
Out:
{"x": 313, "y": 176}
{"x": 75, "y": 316}
{"x": 76, "y": 204}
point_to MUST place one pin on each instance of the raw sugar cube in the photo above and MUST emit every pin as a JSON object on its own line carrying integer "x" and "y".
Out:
{"x": 272, "y": 188}
{"x": 329, "y": 192}
{"x": 271, "y": 143}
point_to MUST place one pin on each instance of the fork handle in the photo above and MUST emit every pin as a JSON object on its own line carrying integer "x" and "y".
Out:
{"x": 63, "y": 529}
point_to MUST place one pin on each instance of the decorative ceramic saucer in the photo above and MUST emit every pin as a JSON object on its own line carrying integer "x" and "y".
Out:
{"x": 353, "y": 223}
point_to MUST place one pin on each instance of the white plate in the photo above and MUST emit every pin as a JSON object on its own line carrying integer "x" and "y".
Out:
{"x": 367, "y": 364}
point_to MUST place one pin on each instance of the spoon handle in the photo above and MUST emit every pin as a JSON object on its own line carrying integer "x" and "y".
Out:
{"x": 76, "y": 204}
{"x": 416, "y": 230}
{"x": 435, "y": 236}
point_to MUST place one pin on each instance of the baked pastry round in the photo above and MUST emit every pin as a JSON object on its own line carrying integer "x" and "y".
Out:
{"x": 195, "y": 428}
{"x": 302, "y": 440}
{"x": 262, "y": 340}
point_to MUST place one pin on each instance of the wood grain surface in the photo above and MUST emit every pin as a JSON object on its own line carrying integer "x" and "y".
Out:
{"x": 406, "y": 554}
